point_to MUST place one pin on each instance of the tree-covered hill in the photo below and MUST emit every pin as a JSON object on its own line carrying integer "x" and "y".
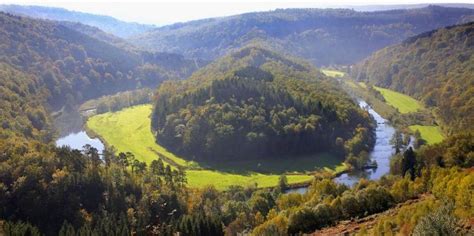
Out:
{"x": 436, "y": 67}
{"x": 256, "y": 103}
{"x": 21, "y": 101}
{"x": 74, "y": 67}
{"x": 105, "y": 23}
{"x": 323, "y": 36}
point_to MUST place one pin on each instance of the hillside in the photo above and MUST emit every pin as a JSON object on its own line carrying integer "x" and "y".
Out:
{"x": 435, "y": 67}
{"x": 323, "y": 36}
{"x": 21, "y": 100}
{"x": 105, "y": 23}
{"x": 256, "y": 103}
{"x": 74, "y": 67}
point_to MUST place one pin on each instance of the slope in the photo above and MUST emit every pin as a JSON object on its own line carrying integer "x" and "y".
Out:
{"x": 74, "y": 67}
{"x": 435, "y": 67}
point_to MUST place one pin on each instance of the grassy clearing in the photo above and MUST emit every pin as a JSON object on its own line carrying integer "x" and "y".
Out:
{"x": 129, "y": 130}
{"x": 404, "y": 104}
{"x": 432, "y": 134}
{"x": 333, "y": 73}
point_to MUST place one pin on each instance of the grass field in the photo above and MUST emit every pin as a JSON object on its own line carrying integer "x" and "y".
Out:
{"x": 333, "y": 73}
{"x": 402, "y": 102}
{"x": 129, "y": 130}
{"x": 432, "y": 134}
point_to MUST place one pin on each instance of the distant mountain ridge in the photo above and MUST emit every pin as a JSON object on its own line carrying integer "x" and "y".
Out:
{"x": 106, "y": 23}
{"x": 323, "y": 36}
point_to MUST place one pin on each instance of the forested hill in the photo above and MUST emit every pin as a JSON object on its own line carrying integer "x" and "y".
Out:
{"x": 105, "y": 23}
{"x": 436, "y": 67}
{"x": 256, "y": 103}
{"x": 323, "y": 36}
{"x": 74, "y": 67}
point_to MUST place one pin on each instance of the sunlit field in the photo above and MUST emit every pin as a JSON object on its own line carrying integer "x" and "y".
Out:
{"x": 432, "y": 134}
{"x": 404, "y": 103}
{"x": 333, "y": 73}
{"x": 129, "y": 130}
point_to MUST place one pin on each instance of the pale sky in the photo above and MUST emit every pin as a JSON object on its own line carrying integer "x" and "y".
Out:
{"x": 167, "y": 12}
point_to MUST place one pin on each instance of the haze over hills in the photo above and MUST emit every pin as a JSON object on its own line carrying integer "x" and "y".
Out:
{"x": 323, "y": 36}
{"x": 436, "y": 67}
{"x": 106, "y": 23}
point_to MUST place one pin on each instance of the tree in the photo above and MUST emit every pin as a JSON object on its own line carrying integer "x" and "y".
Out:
{"x": 397, "y": 141}
{"x": 282, "y": 183}
{"x": 409, "y": 162}
{"x": 438, "y": 223}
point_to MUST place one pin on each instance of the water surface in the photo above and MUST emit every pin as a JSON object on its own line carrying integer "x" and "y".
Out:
{"x": 78, "y": 140}
{"x": 381, "y": 153}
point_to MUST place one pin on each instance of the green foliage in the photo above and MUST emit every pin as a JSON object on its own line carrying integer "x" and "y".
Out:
{"x": 255, "y": 103}
{"x": 439, "y": 77}
{"x": 22, "y": 112}
{"x": 73, "y": 67}
{"x": 118, "y": 101}
{"x": 440, "y": 222}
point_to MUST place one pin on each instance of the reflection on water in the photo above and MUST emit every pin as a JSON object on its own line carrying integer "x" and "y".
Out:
{"x": 78, "y": 140}
{"x": 382, "y": 152}
{"x": 71, "y": 131}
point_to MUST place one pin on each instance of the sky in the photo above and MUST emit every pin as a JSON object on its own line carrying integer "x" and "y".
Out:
{"x": 167, "y": 12}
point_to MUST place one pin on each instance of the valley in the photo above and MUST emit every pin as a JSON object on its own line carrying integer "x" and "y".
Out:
{"x": 288, "y": 121}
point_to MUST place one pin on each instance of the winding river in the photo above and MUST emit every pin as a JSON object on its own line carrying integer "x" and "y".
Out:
{"x": 381, "y": 153}
{"x": 383, "y": 150}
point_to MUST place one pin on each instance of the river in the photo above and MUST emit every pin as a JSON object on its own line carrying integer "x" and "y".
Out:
{"x": 381, "y": 153}
{"x": 72, "y": 133}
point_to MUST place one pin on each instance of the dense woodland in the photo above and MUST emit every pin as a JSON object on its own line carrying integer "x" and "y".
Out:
{"x": 253, "y": 94}
{"x": 256, "y": 103}
{"x": 74, "y": 67}
{"x": 435, "y": 67}
{"x": 323, "y": 36}
{"x": 66, "y": 192}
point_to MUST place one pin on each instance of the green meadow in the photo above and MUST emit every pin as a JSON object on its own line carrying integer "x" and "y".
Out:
{"x": 333, "y": 73}
{"x": 432, "y": 134}
{"x": 404, "y": 104}
{"x": 130, "y": 130}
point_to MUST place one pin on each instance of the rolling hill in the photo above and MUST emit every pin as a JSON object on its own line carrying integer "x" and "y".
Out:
{"x": 435, "y": 67}
{"x": 323, "y": 36}
{"x": 257, "y": 103}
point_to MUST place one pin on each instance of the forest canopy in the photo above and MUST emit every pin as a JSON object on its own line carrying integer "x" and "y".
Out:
{"x": 256, "y": 103}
